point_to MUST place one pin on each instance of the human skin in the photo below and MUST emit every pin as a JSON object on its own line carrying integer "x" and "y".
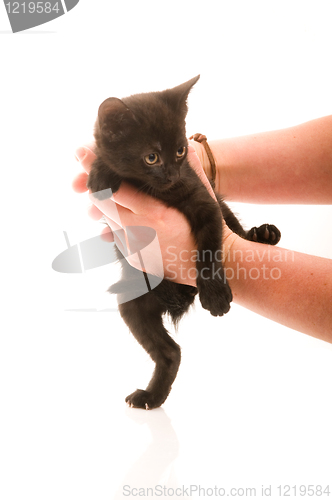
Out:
{"x": 292, "y": 288}
{"x": 292, "y": 165}
{"x": 288, "y": 166}
{"x": 128, "y": 208}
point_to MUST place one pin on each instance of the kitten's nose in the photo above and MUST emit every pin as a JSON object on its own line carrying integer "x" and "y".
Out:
{"x": 173, "y": 177}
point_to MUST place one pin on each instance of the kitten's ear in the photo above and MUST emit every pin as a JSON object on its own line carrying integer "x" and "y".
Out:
{"x": 178, "y": 95}
{"x": 114, "y": 117}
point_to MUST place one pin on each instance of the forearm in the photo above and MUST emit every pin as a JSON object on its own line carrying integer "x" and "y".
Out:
{"x": 288, "y": 287}
{"x": 292, "y": 165}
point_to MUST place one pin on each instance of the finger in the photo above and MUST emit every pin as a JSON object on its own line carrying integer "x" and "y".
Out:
{"x": 128, "y": 197}
{"x": 119, "y": 235}
{"x": 196, "y": 165}
{"x": 107, "y": 234}
{"x": 94, "y": 212}
{"x": 113, "y": 225}
{"x": 117, "y": 216}
{"x": 133, "y": 199}
{"x": 86, "y": 157}
{"x": 112, "y": 211}
{"x": 79, "y": 183}
{"x": 89, "y": 145}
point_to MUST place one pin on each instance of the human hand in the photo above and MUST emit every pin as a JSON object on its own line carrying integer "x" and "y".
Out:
{"x": 127, "y": 207}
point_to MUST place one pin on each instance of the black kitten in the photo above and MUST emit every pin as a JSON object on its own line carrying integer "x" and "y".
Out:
{"x": 142, "y": 139}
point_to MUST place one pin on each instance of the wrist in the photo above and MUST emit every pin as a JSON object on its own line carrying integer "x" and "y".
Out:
{"x": 217, "y": 150}
{"x": 229, "y": 239}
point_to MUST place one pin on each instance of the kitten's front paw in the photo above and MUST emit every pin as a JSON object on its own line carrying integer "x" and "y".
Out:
{"x": 215, "y": 295}
{"x": 99, "y": 188}
{"x": 267, "y": 233}
{"x": 143, "y": 399}
{"x": 103, "y": 194}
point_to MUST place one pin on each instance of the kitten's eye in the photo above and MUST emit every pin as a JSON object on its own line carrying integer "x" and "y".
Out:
{"x": 181, "y": 152}
{"x": 151, "y": 159}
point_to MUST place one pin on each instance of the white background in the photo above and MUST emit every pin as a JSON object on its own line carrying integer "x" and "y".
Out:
{"x": 252, "y": 402}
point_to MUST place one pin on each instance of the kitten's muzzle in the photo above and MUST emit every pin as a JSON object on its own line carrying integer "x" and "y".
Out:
{"x": 172, "y": 177}
{"x": 168, "y": 182}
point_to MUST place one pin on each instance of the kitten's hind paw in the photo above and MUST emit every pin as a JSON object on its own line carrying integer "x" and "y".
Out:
{"x": 143, "y": 399}
{"x": 215, "y": 296}
{"x": 267, "y": 233}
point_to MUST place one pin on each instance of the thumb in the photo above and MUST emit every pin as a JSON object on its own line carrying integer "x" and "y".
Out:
{"x": 86, "y": 157}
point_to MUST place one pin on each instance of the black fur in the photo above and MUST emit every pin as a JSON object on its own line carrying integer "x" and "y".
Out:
{"x": 126, "y": 132}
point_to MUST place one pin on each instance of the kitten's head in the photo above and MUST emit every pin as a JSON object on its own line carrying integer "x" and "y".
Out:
{"x": 143, "y": 136}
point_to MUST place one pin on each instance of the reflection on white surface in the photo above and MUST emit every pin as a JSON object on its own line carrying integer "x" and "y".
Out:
{"x": 154, "y": 466}
{"x": 251, "y": 406}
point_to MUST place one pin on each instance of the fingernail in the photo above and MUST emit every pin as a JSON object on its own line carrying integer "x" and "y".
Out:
{"x": 80, "y": 154}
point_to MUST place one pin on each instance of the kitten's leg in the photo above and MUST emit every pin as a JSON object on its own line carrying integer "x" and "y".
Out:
{"x": 214, "y": 291}
{"x": 267, "y": 233}
{"x": 231, "y": 220}
{"x": 144, "y": 318}
{"x": 206, "y": 224}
